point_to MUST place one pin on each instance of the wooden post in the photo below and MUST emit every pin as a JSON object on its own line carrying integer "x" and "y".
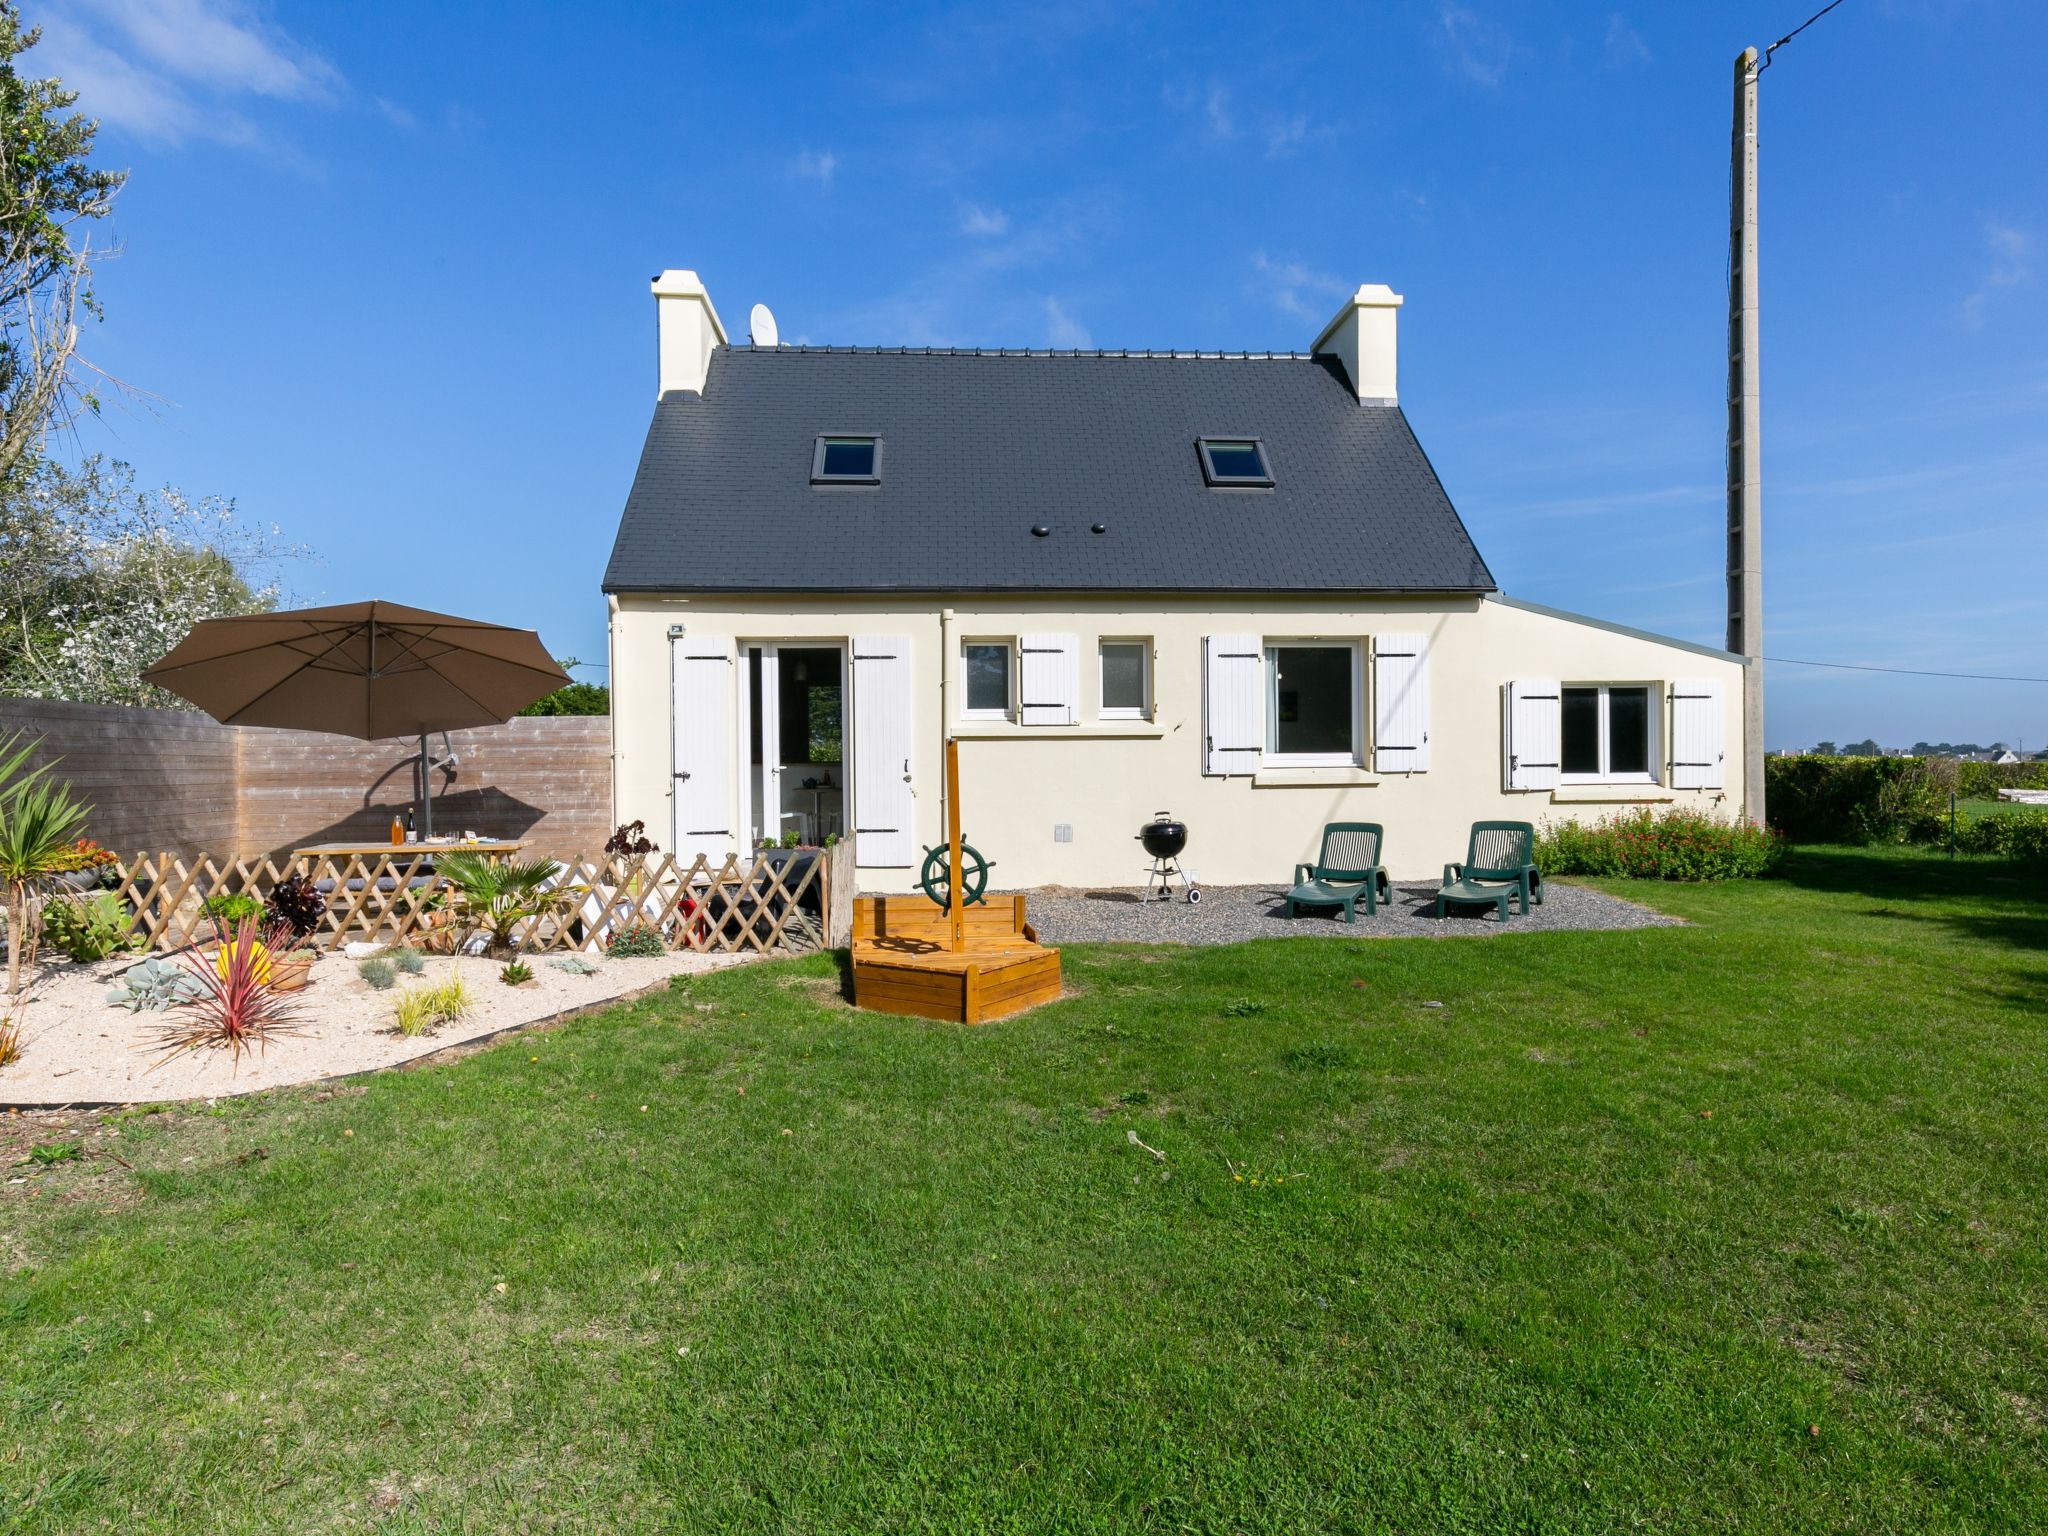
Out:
{"x": 956, "y": 897}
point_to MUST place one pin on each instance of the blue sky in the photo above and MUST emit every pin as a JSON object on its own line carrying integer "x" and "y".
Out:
{"x": 385, "y": 268}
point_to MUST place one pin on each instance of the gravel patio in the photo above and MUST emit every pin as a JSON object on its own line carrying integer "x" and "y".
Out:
{"x": 1229, "y": 914}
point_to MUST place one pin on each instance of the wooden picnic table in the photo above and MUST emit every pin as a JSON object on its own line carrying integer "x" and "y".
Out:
{"x": 389, "y": 849}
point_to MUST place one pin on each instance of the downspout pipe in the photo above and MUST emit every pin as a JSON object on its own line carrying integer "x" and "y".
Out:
{"x": 946, "y": 622}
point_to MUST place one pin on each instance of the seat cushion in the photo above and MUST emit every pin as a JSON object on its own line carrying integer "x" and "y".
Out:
{"x": 1318, "y": 891}
{"x": 1475, "y": 890}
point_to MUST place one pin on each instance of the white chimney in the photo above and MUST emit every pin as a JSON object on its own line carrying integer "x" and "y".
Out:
{"x": 688, "y": 328}
{"x": 1361, "y": 337}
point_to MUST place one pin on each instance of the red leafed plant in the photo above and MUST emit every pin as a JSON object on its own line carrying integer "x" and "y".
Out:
{"x": 238, "y": 1009}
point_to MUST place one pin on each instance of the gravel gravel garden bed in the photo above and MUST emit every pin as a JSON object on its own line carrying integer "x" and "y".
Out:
{"x": 78, "y": 1048}
{"x": 1229, "y": 914}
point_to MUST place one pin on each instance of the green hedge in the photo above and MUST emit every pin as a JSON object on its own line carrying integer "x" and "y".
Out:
{"x": 1983, "y": 781}
{"x": 1858, "y": 799}
{"x": 1678, "y": 845}
{"x": 2010, "y": 835}
{"x": 1900, "y": 800}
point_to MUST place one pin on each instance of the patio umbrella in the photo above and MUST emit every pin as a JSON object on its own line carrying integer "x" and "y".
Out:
{"x": 370, "y": 670}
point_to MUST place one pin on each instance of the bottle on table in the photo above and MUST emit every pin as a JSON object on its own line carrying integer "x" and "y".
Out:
{"x": 412, "y": 834}
{"x": 397, "y": 832}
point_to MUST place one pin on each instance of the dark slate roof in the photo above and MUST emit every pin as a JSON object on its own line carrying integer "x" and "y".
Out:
{"x": 980, "y": 446}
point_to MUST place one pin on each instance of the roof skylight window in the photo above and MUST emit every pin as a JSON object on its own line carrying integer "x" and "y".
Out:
{"x": 1234, "y": 461}
{"x": 847, "y": 461}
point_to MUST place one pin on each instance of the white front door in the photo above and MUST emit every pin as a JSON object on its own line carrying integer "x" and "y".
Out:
{"x": 771, "y": 743}
{"x": 701, "y": 681}
{"x": 884, "y": 800}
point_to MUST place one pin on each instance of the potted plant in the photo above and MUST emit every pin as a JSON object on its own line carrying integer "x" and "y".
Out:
{"x": 291, "y": 917}
{"x": 287, "y": 963}
{"x": 85, "y": 866}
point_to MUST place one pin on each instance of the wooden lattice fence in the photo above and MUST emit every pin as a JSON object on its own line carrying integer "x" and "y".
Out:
{"x": 770, "y": 901}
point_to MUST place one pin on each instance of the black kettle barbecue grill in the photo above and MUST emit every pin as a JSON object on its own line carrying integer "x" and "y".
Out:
{"x": 1164, "y": 838}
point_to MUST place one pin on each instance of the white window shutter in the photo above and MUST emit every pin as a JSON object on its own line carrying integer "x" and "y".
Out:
{"x": 1233, "y": 704}
{"x": 1049, "y": 679}
{"x": 1529, "y": 734}
{"x": 1698, "y": 731}
{"x": 701, "y": 673}
{"x": 1400, "y": 693}
{"x": 884, "y": 809}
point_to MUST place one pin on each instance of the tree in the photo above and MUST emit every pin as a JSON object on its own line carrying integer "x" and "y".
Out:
{"x": 572, "y": 698}
{"x": 48, "y": 191}
{"x": 1824, "y": 749}
{"x": 1868, "y": 748}
{"x": 99, "y": 580}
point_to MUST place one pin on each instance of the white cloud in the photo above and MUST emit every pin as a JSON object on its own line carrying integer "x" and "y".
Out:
{"x": 397, "y": 114}
{"x": 221, "y": 43}
{"x": 1299, "y": 290}
{"x": 818, "y": 168}
{"x": 1284, "y": 133}
{"x": 1625, "y": 46}
{"x": 169, "y": 69}
{"x": 2010, "y": 251}
{"x": 1225, "y": 119}
{"x": 1062, "y": 329}
{"x": 982, "y": 222}
{"x": 1474, "y": 47}
{"x": 1216, "y": 107}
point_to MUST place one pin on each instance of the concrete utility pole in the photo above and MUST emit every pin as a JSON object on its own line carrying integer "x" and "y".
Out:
{"x": 1745, "y": 438}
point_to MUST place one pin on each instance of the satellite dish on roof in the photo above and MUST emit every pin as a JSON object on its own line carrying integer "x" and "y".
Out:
{"x": 761, "y": 327}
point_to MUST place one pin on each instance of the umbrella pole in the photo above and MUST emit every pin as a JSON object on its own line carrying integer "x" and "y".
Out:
{"x": 426, "y": 791}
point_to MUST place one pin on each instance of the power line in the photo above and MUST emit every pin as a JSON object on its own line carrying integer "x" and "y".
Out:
{"x": 1781, "y": 42}
{"x": 1850, "y": 666}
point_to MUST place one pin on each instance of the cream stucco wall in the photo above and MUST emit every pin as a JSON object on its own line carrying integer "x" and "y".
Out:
{"x": 1105, "y": 779}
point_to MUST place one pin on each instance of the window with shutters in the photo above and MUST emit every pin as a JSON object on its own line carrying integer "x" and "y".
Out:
{"x": 986, "y": 667}
{"x": 1315, "y": 704}
{"x": 1607, "y": 733}
{"x": 1126, "y": 679}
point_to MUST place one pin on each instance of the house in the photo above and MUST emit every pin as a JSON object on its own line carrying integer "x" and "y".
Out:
{"x": 1230, "y": 586}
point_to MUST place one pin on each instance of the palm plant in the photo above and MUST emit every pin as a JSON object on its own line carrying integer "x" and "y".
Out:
{"x": 493, "y": 897}
{"x": 39, "y": 822}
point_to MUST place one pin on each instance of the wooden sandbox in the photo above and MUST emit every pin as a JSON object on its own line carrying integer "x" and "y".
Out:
{"x": 904, "y": 959}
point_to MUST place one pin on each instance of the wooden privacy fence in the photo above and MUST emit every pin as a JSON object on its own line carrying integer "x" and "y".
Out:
{"x": 770, "y": 901}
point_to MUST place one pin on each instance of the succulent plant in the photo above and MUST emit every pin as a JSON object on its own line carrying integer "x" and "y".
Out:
{"x": 515, "y": 973}
{"x": 575, "y": 965}
{"x": 153, "y": 986}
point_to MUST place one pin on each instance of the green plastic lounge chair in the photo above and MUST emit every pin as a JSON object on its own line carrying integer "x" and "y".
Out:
{"x": 1348, "y": 869}
{"x": 1499, "y": 865}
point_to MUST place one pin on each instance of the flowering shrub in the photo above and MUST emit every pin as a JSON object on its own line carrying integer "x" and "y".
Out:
{"x": 1678, "y": 845}
{"x": 637, "y": 940}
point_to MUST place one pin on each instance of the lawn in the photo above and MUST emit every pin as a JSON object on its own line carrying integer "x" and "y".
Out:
{"x": 1738, "y": 1226}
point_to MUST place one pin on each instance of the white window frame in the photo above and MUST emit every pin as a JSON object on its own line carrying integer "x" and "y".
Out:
{"x": 1008, "y": 645}
{"x": 1103, "y": 709}
{"x": 1359, "y": 745}
{"x": 1653, "y": 725}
